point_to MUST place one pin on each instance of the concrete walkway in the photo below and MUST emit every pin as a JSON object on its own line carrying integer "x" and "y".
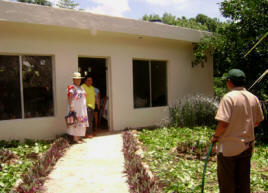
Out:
{"x": 95, "y": 166}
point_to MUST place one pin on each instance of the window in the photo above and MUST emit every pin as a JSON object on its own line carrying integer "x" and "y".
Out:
{"x": 26, "y": 84}
{"x": 10, "y": 96}
{"x": 149, "y": 83}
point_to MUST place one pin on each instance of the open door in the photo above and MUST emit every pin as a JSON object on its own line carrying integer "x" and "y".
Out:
{"x": 96, "y": 68}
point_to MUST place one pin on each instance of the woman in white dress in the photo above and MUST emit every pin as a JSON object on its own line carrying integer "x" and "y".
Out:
{"x": 77, "y": 104}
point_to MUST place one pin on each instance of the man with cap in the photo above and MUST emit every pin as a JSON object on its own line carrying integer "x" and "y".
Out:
{"x": 238, "y": 114}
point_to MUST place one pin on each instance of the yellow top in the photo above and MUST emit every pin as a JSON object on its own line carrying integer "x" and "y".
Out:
{"x": 90, "y": 95}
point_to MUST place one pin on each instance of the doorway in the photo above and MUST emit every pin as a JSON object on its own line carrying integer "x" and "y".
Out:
{"x": 97, "y": 69}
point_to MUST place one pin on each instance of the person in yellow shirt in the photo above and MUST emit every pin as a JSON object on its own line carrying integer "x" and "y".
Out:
{"x": 90, "y": 100}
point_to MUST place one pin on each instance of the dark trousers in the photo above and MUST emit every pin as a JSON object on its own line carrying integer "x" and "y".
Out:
{"x": 90, "y": 115}
{"x": 234, "y": 172}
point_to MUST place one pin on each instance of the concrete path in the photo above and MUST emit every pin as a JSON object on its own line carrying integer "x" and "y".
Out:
{"x": 95, "y": 166}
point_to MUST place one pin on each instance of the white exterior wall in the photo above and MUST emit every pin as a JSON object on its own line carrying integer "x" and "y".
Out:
{"x": 66, "y": 45}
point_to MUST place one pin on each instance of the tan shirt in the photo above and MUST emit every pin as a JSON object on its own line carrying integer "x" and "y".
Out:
{"x": 241, "y": 110}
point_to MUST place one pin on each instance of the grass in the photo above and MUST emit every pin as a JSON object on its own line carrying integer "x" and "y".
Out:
{"x": 16, "y": 158}
{"x": 176, "y": 157}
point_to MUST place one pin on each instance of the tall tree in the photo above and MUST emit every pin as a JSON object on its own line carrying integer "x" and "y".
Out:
{"x": 173, "y": 20}
{"x": 247, "y": 24}
{"x": 39, "y": 2}
{"x": 169, "y": 19}
{"x": 68, "y": 4}
{"x": 212, "y": 24}
{"x": 151, "y": 17}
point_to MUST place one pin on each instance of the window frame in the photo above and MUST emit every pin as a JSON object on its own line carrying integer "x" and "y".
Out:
{"x": 150, "y": 82}
{"x": 20, "y": 55}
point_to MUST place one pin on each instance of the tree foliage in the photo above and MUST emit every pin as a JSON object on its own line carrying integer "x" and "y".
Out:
{"x": 247, "y": 24}
{"x": 68, "y": 4}
{"x": 212, "y": 24}
{"x": 39, "y": 2}
{"x": 201, "y": 22}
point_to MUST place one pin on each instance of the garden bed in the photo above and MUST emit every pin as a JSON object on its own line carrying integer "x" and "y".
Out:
{"x": 140, "y": 178}
{"x": 175, "y": 158}
{"x": 24, "y": 165}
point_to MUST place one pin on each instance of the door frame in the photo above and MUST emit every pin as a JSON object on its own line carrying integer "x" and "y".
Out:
{"x": 108, "y": 85}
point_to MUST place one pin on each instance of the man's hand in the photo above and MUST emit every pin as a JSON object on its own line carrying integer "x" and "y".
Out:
{"x": 214, "y": 139}
{"x": 221, "y": 127}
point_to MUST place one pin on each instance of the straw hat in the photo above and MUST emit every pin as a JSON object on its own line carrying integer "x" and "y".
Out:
{"x": 77, "y": 75}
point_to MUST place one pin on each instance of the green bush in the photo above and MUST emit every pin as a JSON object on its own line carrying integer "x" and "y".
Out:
{"x": 220, "y": 87}
{"x": 195, "y": 110}
{"x": 261, "y": 132}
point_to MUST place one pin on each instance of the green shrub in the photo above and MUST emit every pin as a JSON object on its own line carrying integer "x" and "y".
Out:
{"x": 220, "y": 87}
{"x": 194, "y": 110}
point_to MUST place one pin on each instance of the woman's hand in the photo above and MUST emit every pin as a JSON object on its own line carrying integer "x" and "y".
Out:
{"x": 71, "y": 108}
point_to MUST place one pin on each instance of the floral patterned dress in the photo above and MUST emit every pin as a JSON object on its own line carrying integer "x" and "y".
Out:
{"x": 80, "y": 107}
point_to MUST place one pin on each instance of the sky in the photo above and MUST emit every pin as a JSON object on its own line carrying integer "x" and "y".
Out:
{"x": 135, "y": 9}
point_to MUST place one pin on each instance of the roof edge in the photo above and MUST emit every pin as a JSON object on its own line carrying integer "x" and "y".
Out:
{"x": 44, "y": 15}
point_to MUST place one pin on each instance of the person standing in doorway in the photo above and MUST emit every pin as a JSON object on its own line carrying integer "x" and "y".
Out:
{"x": 90, "y": 100}
{"x": 238, "y": 114}
{"x": 97, "y": 108}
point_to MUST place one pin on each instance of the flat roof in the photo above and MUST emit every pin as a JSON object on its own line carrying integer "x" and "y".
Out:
{"x": 35, "y": 14}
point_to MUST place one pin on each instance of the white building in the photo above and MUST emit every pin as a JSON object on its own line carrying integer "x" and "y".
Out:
{"x": 141, "y": 66}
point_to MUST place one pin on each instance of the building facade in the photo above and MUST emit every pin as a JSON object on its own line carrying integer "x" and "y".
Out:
{"x": 145, "y": 67}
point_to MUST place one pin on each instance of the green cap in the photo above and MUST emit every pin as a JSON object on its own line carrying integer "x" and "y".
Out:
{"x": 236, "y": 75}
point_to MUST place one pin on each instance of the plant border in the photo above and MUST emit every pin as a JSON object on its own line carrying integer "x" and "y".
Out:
{"x": 140, "y": 178}
{"x": 34, "y": 178}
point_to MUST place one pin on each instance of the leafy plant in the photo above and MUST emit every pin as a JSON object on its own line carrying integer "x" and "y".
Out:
{"x": 196, "y": 110}
{"x": 16, "y": 158}
{"x": 32, "y": 179}
{"x": 163, "y": 149}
